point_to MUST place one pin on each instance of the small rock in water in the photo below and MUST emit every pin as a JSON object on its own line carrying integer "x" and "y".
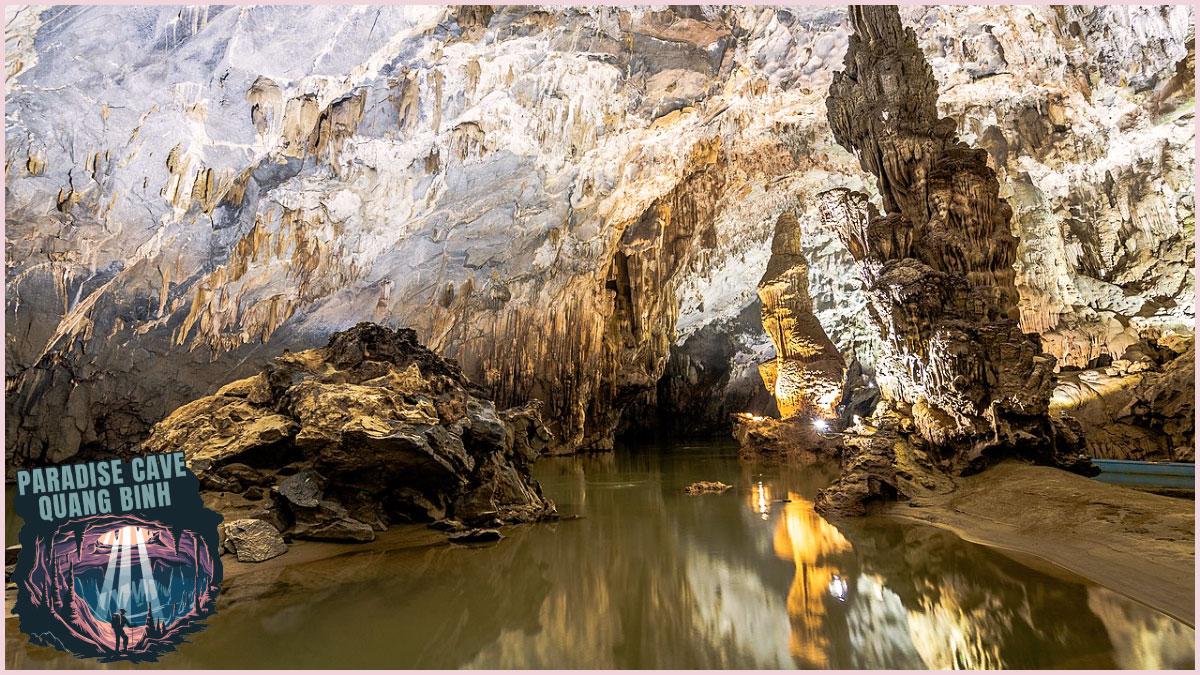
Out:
{"x": 338, "y": 529}
{"x": 254, "y": 540}
{"x": 706, "y": 487}
{"x": 476, "y": 536}
{"x": 447, "y": 525}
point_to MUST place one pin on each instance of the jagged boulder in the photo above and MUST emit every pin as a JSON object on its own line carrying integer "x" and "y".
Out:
{"x": 370, "y": 430}
{"x": 253, "y": 540}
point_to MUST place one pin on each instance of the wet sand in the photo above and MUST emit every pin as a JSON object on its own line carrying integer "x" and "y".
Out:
{"x": 1139, "y": 544}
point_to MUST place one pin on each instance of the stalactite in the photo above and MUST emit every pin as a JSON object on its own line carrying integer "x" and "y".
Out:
{"x": 147, "y": 237}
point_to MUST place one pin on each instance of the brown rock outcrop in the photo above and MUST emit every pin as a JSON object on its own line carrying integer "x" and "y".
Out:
{"x": 369, "y": 430}
{"x": 795, "y": 439}
{"x": 937, "y": 270}
{"x": 883, "y": 459}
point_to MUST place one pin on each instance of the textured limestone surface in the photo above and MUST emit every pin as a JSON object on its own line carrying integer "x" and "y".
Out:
{"x": 339, "y": 442}
{"x": 937, "y": 264}
{"x": 558, "y": 198}
{"x": 807, "y": 374}
{"x": 958, "y": 377}
{"x": 253, "y": 540}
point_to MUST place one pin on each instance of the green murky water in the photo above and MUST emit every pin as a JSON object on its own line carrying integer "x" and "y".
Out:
{"x": 652, "y": 578}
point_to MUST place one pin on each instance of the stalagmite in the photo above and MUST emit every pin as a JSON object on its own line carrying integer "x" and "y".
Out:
{"x": 807, "y": 373}
{"x": 957, "y": 375}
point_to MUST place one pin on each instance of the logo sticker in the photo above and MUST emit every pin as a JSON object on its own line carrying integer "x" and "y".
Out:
{"x": 119, "y": 559}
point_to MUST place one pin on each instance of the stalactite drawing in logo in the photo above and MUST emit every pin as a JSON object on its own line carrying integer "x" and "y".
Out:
{"x": 119, "y": 560}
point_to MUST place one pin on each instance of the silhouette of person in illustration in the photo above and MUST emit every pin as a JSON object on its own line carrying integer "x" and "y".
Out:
{"x": 119, "y": 622}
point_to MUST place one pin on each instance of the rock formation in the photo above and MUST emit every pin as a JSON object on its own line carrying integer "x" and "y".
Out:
{"x": 807, "y": 374}
{"x": 369, "y": 430}
{"x": 253, "y": 540}
{"x": 1065, "y": 100}
{"x": 558, "y": 198}
{"x": 937, "y": 271}
{"x": 706, "y": 487}
{"x": 1139, "y": 407}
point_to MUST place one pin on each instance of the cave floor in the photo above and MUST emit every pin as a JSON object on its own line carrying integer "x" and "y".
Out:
{"x": 1137, "y": 543}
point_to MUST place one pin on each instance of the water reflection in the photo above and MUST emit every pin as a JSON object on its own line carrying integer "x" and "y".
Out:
{"x": 811, "y": 543}
{"x": 653, "y": 578}
{"x": 872, "y": 594}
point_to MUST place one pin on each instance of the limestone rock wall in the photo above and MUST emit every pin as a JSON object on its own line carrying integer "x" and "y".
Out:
{"x": 1094, "y": 145}
{"x": 527, "y": 191}
{"x": 558, "y": 198}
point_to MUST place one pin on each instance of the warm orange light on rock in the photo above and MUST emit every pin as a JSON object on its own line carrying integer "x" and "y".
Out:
{"x": 808, "y": 540}
{"x": 807, "y": 373}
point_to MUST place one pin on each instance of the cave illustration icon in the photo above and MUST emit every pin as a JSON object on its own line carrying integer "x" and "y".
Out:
{"x": 127, "y": 586}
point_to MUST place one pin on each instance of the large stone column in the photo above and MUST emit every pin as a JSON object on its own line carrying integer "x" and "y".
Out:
{"x": 807, "y": 373}
{"x": 958, "y": 376}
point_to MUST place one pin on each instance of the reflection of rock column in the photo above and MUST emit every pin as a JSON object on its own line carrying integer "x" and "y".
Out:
{"x": 937, "y": 269}
{"x": 809, "y": 541}
{"x": 807, "y": 373}
{"x": 1141, "y": 637}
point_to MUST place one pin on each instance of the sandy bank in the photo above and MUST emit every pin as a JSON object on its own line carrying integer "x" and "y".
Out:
{"x": 1139, "y": 544}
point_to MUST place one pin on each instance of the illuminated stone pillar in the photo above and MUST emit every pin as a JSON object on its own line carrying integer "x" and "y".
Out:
{"x": 957, "y": 374}
{"x": 807, "y": 374}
